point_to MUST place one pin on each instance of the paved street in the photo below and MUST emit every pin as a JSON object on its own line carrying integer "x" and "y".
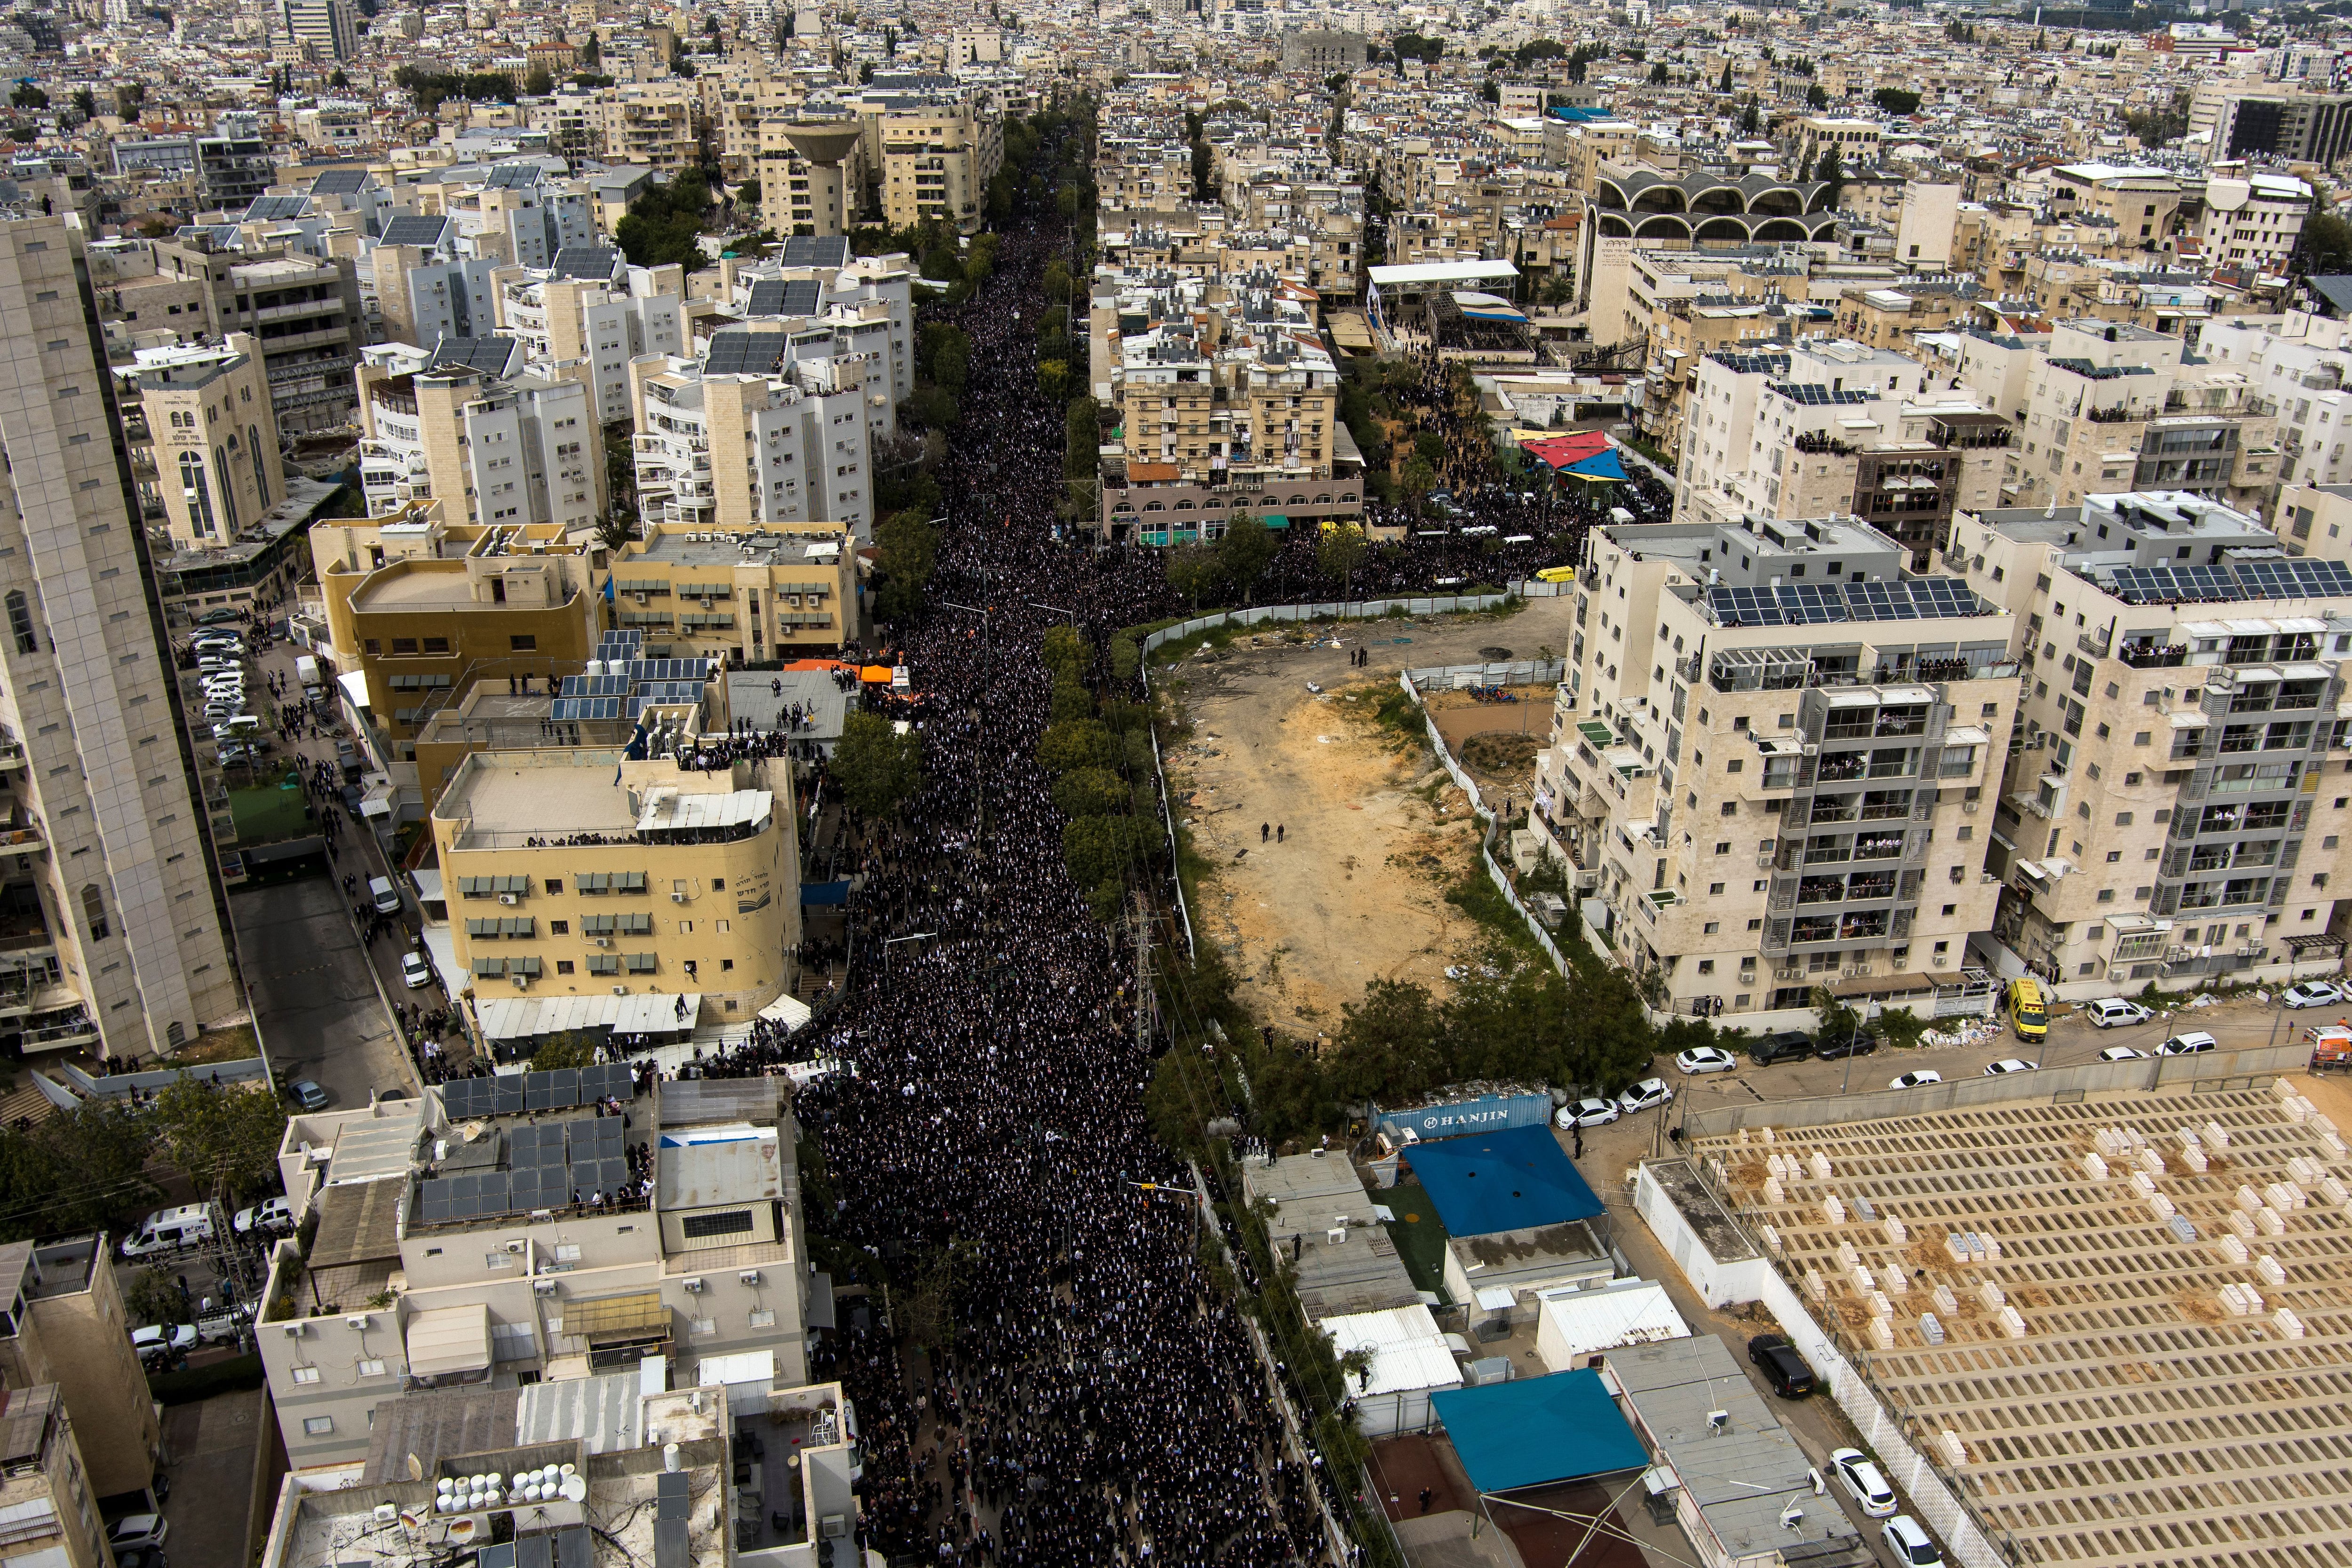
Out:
{"x": 213, "y": 1447}
{"x": 320, "y": 1014}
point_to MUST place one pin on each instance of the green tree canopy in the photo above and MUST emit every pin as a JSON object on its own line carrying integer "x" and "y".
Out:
{"x": 228, "y": 1135}
{"x": 563, "y": 1051}
{"x": 1071, "y": 743}
{"x": 1245, "y": 551}
{"x": 878, "y": 768}
{"x": 1090, "y": 791}
{"x": 81, "y": 1170}
{"x": 906, "y": 554}
{"x": 1066, "y": 653}
{"x": 1896, "y": 100}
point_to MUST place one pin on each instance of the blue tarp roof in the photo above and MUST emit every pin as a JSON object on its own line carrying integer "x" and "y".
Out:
{"x": 1535, "y": 1431}
{"x": 1600, "y": 466}
{"x": 1512, "y": 1180}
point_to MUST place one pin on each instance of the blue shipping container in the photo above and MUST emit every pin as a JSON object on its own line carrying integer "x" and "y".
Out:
{"x": 1487, "y": 1113}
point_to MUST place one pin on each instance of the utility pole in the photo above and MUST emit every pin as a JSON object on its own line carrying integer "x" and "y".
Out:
{"x": 1141, "y": 920}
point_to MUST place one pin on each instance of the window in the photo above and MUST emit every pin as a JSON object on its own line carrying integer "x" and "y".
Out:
{"x": 527, "y": 643}
{"x": 1713, "y": 927}
{"x": 1730, "y": 808}
{"x": 1723, "y": 847}
{"x": 2123, "y": 819}
{"x": 559, "y": 928}
{"x": 2106, "y": 894}
{"x": 306, "y": 1375}
{"x": 371, "y": 1368}
{"x": 93, "y": 910}
{"x": 555, "y": 884}
{"x": 317, "y": 1426}
{"x": 1715, "y": 890}
{"x": 20, "y": 622}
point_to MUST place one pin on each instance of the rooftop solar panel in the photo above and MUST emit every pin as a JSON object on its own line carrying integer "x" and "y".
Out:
{"x": 515, "y": 175}
{"x": 508, "y": 1088}
{"x": 276, "y": 209}
{"x": 423, "y": 232}
{"x": 576, "y": 708}
{"x": 339, "y": 183}
{"x": 767, "y": 297}
{"x": 816, "y": 251}
{"x": 586, "y": 262}
{"x": 489, "y": 355}
{"x": 745, "y": 353}
{"x": 802, "y": 297}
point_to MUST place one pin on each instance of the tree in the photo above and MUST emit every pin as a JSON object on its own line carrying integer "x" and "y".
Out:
{"x": 1066, "y": 653}
{"x": 85, "y": 103}
{"x": 1489, "y": 91}
{"x": 27, "y": 96}
{"x": 155, "y": 1297}
{"x": 1831, "y": 171}
{"x": 1090, "y": 791}
{"x": 1391, "y": 1045}
{"x": 81, "y": 1169}
{"x": 228, "y": 1135}
{"x": 1193, "y": 570}
{"x": 1816, "y": 96}
{"x": 592, "y": 53}
{"x": 538, "y": 83}
{"x": 1658, "y": 74}
{"x": 748, "y": 193}
{"x": 1338, "y": 553}
{"x": 1751, "y": 119}
{"x": 951, "y": 366}
{"x": 907, "y": 553}
{"x": 1244, "y": 552}
{"x": 563, "y": 1051}
{"x": 1069, "y": 744}
{"x": 876, "y": 767}
{"x": 1418, "y": 479}
{"x": 1896, "y": 100}
{"x": 340, "y": 78}
{"x": 128, "y": 99}
{"x": 1724, "y": 87}
{"x": 2325, "y": 247}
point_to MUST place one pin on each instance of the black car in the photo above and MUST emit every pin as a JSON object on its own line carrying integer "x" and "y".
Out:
{"x": 1788, "y": 1046}
{"x": 1790, "y": 1377}
{"x": 1846, "y": 1045}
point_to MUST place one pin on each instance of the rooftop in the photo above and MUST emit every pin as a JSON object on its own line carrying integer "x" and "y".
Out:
{"x": 2129, "y": 1311}
{"x": 677, "y": 547}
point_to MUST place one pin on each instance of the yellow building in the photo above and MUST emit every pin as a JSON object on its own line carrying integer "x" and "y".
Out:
{"x": 937, "y": 163}
{"x": 216, "y": 442}
{"x": 423, "y": 610}
{"x": 576, "y": 873}
{"x": 753, "y": 592}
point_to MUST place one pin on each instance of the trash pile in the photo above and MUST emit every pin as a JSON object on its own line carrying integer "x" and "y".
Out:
{"x": 1963, "y": 1032}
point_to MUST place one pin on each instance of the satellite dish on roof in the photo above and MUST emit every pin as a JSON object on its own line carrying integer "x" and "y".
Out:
{"x": 576, "y": 1488}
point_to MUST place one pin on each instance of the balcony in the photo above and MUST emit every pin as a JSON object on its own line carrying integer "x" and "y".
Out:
{"x": 2154, "y": 655}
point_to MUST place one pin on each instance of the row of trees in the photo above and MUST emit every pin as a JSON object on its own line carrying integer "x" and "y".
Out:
{"x": 90, "y": 1168}
{"x": 664, "y": 227}
{"x": 1101, "y": 756}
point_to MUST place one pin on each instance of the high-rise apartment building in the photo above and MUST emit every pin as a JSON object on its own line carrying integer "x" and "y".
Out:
{"x": 750, "y": 438}
{"x": 496, "y": 445}
{"x": 105, "y": 857}
{"x": 1769, "y": 760}
{"x": 591, "y": 314}
{"x": 327, "y": 29}
{"x": 65, "y": 1325}
{"x": 937, "y": 162}
{"x": 2176, "y": 797}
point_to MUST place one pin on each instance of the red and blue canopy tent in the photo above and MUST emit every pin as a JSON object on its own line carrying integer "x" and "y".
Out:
{"x": 1587, "y": 455}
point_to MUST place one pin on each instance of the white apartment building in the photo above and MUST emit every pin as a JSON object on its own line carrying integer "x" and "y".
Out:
{"x": 467, "y": 1242}
{"x": 2253, "y": 221}
{"x": 495, "y": 443}
{"x": 1769, "y": 761}
{"x": 2176, "y": 801}
{"x": 2300, "y": 364}
{"x": 591, "y": 314}
{"x": 769, "y": 441}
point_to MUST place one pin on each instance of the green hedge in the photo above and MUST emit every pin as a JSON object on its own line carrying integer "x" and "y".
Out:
{"x": 236, "y": 1374}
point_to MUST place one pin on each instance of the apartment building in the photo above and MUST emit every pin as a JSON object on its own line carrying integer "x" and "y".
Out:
{"x": 2112, "y": 407}
{"x": 1789, "y": 795}
{"x": 591, "y": 314}
{"x": 684, "y": 883}
{"x": 65, "y": 1325}
{"x": 2290, "y": 127}
{"x": 656, "y": 123}
{"x": 496, "y": 444}
{"x": 751, "y": 438}
{"x": 1855, "y": 142}
{"x": 2254, "y": 221}
{"x": 321, "y": 29}
{"x": 213, "y": 442}
{"x": 813, "y": 174}
{"x": 866, "y": 302}
{"x": 2316, "y": 520}
{"x": 114, "y": 908}
{"x": 2299, "y": 364}
{"x": 2169, "y": 812}
{"x": 504, "y": 1231}
{"x": 421, "y": 610}
{"x": 45, "y": 1495}
{"x": 303, "y": 311}
{"x": 736, "y": 594}
{"x": 936, "y": 161}
{"x": 418, "y": 284}
{"x": 2140, "y": 202}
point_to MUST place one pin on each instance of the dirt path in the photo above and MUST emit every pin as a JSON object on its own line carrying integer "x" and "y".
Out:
{"x": 1372, "y": 830}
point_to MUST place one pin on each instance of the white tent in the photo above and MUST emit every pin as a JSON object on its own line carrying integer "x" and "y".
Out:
{"x": 1409, "y": 1362}
{"x": 1571, "y": 1326}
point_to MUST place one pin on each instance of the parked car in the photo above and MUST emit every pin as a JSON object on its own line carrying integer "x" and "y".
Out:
{"x": 137, "y": 1531}
{"x": 223, "y": 1325}
{"x": 415, "y": 970}
{"x": 2194, "y": 1043}
{"x": 2311, "y": 993}
{"x": 276, "y": 1215}
{"x": 1587, "y": 1113}
{"x": 1910, "y": 1544}
{"x": 168, "y": 1230}
{"x": 1642, "y": 1095}
{"x": 1788, "y": 1046}
{"x": 2114, "y": 1013}
{"x": 220, "y": 617}
{"x": 1782, "y": 1365}
{"x": 308, "y": 1094}
{"x": 2010, "y": 1065}
{"x": 158, "y": 1344}
{"x": 1704, "y": 1058}
{"x": 1858, "y": 1043}
{"x": 2122, "y": 1053}
{"x": 1862, "y": 1480}
{"x": 1918, "y": 1080}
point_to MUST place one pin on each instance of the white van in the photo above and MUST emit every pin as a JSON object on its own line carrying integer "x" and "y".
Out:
{"x": 384, "y": 894}
{"x": 167, "y": 1230}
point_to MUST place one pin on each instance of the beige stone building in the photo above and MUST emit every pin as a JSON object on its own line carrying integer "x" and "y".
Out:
{"x": 66, "y": 1325}
{"x": 2172, "y": 811}
{"x": 936, "y": 162}
{"x": 214, "y": 443}
{"x": 576, "y": 873}
{"x": 45, "y": 1485}
{"x": 1771, "y": 757}
{"x": 740, "y": 594}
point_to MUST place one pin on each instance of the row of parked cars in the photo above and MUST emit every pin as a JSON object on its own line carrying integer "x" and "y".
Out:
{"x": 1855, "y": 1471}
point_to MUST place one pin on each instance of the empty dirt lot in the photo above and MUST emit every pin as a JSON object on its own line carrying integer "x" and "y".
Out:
{"x": 1373, "y": 833}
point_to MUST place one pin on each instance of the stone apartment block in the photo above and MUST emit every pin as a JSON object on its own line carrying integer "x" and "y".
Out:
{"x": 493, "y": 443}
{"x": 214, "y": 443}
{"x": 739, "y": 594}
{"x": 2170, "y": 811}
{"x": 1769, "y": 760}
{"x": 65, "y": 1325}
{"x": 770, "y": 441}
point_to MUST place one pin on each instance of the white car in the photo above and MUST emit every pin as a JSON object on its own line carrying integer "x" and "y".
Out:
{"x": 2115, "y": 1013}
{"x": 415, "y": 969}
{"x": 276, "y": 1214}
{"x": 137, "y": 1531}
{"x": 1704, "y": 1058}
{"x": 2010, "y": 1065}
{"x": 1587, "y": 1113}
{"x": 1862, "y": 1478}
{"x": 2194, "y": 1043}
{"x": 155, "y": 1341}
{"x": 1642, "y": 1095}
{"x": 2122, "y": 1053}
{"x": 1915, "y": 1080}
{"x": 1909, "y": 1543}
{"x": 2311, "y": 993}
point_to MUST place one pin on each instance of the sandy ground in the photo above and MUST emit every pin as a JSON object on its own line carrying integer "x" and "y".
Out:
{"x": 1372, "y": 830}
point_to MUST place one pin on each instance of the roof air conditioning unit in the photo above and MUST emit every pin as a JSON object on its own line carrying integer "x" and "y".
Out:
{"x": 1791, "y": 1517}
{"x": 542, "y": 1287}
{"x": 693, "y": 1286}
{"x": 358, "y": 1321}
{"x": 603, "y": 941}
{"x": 834, "y": 1526}
{"x": 620, "y": 990}
{"x": 509, "y": 899}
{"x": 750, "y": 1277}
{"x": 517, "y": 1246}
{"x": 295, "y": 1331}
{"x": 1718, "y": 1421}
{"x": 677, "y": 898}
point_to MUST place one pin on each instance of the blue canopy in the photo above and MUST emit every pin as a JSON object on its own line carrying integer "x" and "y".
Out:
{"x": 1513, "y": 1180}
{"x": 1536, "y": 1431}
{"x": 1600, "y": 466}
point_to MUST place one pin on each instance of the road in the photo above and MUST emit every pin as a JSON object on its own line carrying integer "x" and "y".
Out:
{"x": 320, "y": 1013}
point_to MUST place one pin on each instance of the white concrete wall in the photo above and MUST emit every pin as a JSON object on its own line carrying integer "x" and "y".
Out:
{"x": 1718, "y": 1284}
